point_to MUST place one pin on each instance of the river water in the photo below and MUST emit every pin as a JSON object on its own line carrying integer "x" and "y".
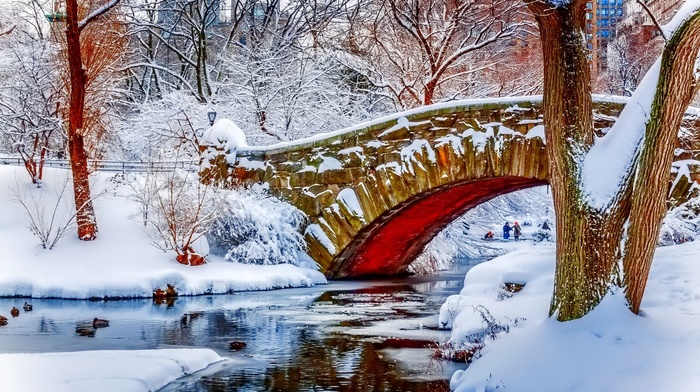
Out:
{"x": 345, "y": 336}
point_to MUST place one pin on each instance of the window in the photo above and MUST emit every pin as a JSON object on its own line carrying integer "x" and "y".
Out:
{"x": 589, "y": 6}
{"x": 604, "y": 22}
{"x": 604, "y": 2}
{"x": 589, "y": 46}
{"x": 604, "y": 11}
{"x": 589, "y": 16}
{"x": 619, "y": 12}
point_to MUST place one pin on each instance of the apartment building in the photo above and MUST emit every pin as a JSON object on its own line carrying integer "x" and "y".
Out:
{"x": 602, "y": 17}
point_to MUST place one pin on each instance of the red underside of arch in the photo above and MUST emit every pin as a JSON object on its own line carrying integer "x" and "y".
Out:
{"x": 389, "y": 244}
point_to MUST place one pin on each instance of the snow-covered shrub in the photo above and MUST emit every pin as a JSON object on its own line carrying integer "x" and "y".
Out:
{"x": 681, "y": 224}
{"x": 256, "y": 228}
{"x": 176, "y": 210}
{"x": 50, "y": 211}
{"x": 469, "y": 347}
{"x": 543, "y": 236}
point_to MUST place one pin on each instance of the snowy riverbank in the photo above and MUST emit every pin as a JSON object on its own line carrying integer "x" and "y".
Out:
{"x": 122, "y": 262}
{"x": 609, "y": 349}
{"x": 87, "y": 371}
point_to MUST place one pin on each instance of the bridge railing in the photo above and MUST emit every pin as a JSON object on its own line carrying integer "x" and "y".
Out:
{"x": 115, "y": 166}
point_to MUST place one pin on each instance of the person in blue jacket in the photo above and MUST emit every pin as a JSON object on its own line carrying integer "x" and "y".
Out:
{"x": 506, "y": 230}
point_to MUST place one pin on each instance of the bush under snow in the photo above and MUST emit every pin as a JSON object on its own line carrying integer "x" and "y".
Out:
{"x": 682, "y": 223}
{"x": 256, "y": 228}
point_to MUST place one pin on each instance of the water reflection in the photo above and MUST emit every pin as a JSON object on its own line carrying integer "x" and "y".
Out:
{"x": 331, "y": 337}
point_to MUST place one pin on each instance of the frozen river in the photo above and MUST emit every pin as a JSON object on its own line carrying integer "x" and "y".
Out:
{"x": 347, "y": 335}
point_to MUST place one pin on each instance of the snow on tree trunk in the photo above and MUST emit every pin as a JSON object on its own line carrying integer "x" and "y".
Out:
{"x": 675, "y": 90}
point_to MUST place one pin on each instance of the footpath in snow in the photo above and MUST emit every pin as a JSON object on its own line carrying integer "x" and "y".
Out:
{"x": 610, "y": 349}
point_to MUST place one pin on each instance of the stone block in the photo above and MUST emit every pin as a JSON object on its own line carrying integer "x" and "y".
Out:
{"x": 318, "y": 252}
{"x": 351, "y": 159}
{"x": 309, "y": 205}
{"x": 317, "y": 188}
{"x": 326, "y": 198}
{"x": 278, "y": 158}
{"x": 289, "y": 166}
{"x": 446, "y": 121}
{"x": 395, "y": 134}
{"x": 340, "y": 176}
{"x": 391, "y": 156}
{"x": 305, "y": 178}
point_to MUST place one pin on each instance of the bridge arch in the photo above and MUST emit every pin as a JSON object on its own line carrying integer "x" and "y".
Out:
{"x": 377, "y": 193}
{"x": 390, "y": 243}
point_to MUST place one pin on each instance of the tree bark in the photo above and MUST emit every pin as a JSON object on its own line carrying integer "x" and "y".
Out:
{"x": 587, "y": 239}
{"x": 675, "y": 90}
{"x": 85, "y": 213}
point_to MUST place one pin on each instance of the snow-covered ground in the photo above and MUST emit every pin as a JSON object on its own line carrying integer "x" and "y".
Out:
{"x": 123, "y": 371}
{"x": 608, "y": 350}
{"x": 122, "y": 262}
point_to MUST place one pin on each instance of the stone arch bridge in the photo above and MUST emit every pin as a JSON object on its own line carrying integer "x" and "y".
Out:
{"x": 377, "y": 193}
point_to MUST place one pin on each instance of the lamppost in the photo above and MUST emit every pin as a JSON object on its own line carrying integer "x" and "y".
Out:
{"x": 212, "y": 117}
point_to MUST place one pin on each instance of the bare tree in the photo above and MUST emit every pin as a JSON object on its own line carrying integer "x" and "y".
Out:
{"x": 30, "y": 98}
{"x": 86, "y": 58}
{"x": 422, "y": 51}
{"x": 630, "y": 56}
{"x": 176, "y": 210}
{"x": 48, "y": 210}
{"x": 177, "y": 41}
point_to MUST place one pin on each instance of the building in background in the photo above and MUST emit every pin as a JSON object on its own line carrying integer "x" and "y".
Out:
{"x": 602, "y": 17}
{"x": 636, "y": 18}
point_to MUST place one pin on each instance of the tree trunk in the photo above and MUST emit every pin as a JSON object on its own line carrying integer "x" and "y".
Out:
{"x": 85, "y": 214}
{"x": 587, "y": 240}
{"x": 675, "y": 90}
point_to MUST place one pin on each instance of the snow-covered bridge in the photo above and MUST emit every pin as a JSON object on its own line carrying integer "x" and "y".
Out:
{"x": 377, "y": 193}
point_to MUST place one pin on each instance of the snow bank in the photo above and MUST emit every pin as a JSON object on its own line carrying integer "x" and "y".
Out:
{"x": 123, "y": 371}
{"x": 121, "y": 262}
{"x": 610, "y": 349}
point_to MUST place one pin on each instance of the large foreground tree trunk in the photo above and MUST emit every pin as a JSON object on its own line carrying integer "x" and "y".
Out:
{"x": 85, "y": 213}
{"x": 676, "y": 88}
{"x": 589, "y": 239}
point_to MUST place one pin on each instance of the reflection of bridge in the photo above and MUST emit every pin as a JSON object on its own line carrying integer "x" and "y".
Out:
{"x": 377, "y": 193}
